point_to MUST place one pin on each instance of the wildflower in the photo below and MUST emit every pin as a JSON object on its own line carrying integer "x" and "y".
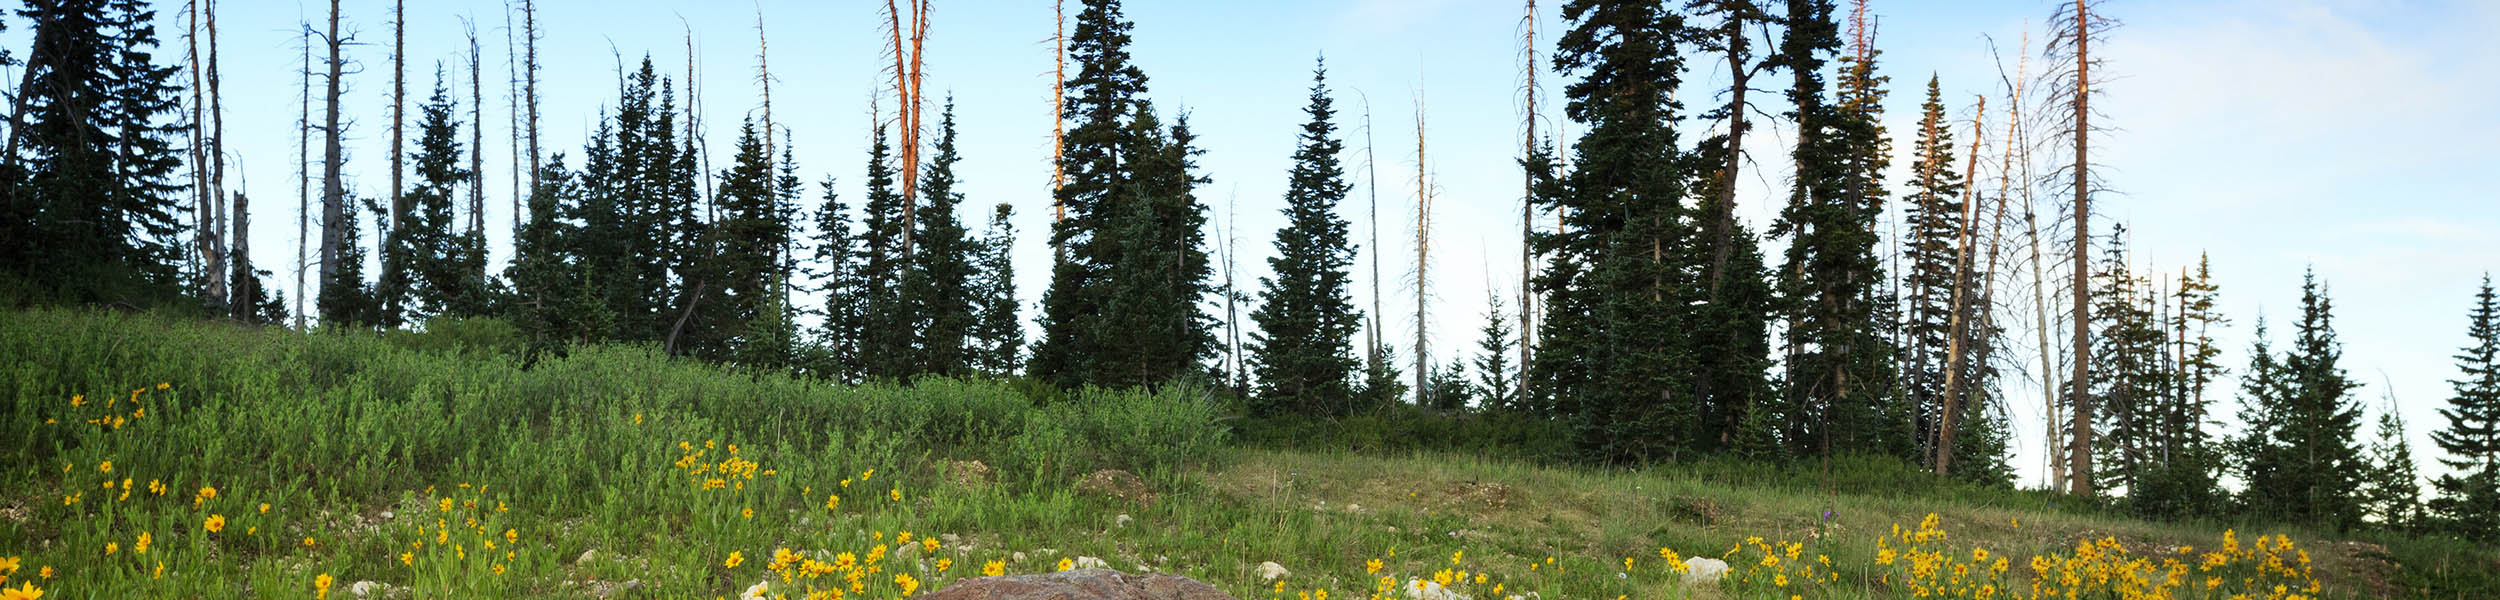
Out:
{"x": 165, "y": 385}
{"x": 77, "y": 399}
{"x": 1066, "y": 564}
{"x": 106, "y": 466}
{"x": 28, "y": 592}
{"x": 896, "y": 494}
{"x": 321, "y": 586}
{"x": 833, "y": 501}
{"x": 1454, "y": 556}
{"x": 112, "y": 547}
{"x": 734, "y": 559}
{"x": 308, "y": 542}
{"x": 71, "y": 499}
{"x": 141, "y": 547}
{"x": 908, "y": 584}
{"x": 994, "y": 568}
{"x": 1371, "y": 567}
{"x": 156, "y": 487}
{"x": 160, "y": 570}
{"x": 45, "y": 572}
{"x": 637, "y": 418}
{"x": 498, "y": 568}
{"x": 746, "y": 513}
{"x": 206, "y": 494}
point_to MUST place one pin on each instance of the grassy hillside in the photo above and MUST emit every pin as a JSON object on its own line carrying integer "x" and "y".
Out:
{"x": 145, "y": 457}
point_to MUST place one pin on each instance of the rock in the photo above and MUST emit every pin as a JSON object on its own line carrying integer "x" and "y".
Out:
{"x": 1116, "y": 484}
{"x": 1080, "y": 584}
{"x": 908, "y": 551}
{"x": 586, "y": 556}
{"x": 757, "y": 591}
{"x": 1432, "y": 591}
{"x": 610, "y": 589}
{"x": 1703, "y": 571}
{"x": 1017, "y": 558}
{"x": 1270, "y": 571}
{"x": 1121, "y": 521}
{"x": 367, "y": 589}
{"x": 968, "y": 473}
{"x": 1088, "y": 562}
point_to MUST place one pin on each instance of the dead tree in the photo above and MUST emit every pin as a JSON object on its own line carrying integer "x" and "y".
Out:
{"x": 907, "y": 93}
{"x": 1423, "y": 246}
{"x": 1527, "y": 199}
{"x": 1058, "y": 110}
{"x": 2076, "y": 29}
{"x": 764, "y": 78}
{"x": 333, "y": 194}
{"x": 1958, "y": 325}
{"x": 399, "y": 114}
{"x": 477, "y": 139}
{"x": 234, "y": 302}
{"x": 303, "y": 166}
{"x": 512, "y": 100}
{"x": 1371, "y": 180}
{"x": 529, "y": 83}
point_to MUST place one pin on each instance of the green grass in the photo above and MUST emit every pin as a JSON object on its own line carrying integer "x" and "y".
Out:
{"x": 583, "y": 452}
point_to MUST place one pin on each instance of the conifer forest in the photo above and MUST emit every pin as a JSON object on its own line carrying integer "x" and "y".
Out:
{"x": 1418, "y": 299}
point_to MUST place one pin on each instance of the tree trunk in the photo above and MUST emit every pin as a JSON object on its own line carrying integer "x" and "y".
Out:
{"x": 477, "y": 144}
{"x": 1058, "y": 112}
{"x": 512, "y": 121}
{"x": 529, "y": 83}
{"x": 303, "y": 170}
{"x": 333, "y": 194}
{"x": 245, "y": 283}
{"x": 221, "y": 281}
{"x": 1957, "y": 328}
{"x": 1423, "y": 245}
{"x": 399, "y": 114}
{"x": 1527, "y": 202}
{"x": 2081, "y": 450}
{"x": 1372, "y": 182}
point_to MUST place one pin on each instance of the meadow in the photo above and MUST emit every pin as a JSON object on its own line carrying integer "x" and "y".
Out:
{"x": 146, "y": 456}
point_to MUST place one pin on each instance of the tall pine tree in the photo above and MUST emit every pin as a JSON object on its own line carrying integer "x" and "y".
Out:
{"x": 939, "y": 283}
{"x": 2469, "y": 497}
{"x": 90, "y": 162}
{"x": 2299, "y": 457}
{"x": 997, "y": 336}
{"x": 1303, "y": 351}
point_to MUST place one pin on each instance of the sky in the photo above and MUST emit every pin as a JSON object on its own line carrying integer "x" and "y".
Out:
{"x": 2341, "y": 136}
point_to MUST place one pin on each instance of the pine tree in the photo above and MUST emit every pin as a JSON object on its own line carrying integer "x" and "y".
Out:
{"x": 1838, "y": 364}
{"x": 1932, "y": 251}
{"x": 2391, "y": 489}
{"x": 1731, "y": 329}
{"x": 1102, "y": 98}
{"x": 1304, "y": 348}
{"x": 747, "y": 304}
{"x": 89, "y": 167}
{"x": 2469, "y": 497}
{"x": 1497, "y": 380}
{"x": 2132, "y": 379}
{"x": 1155, "y": 329}
{"x": 2300, "y": 460}
{"x": 887, "y": 330}
{"x": 939, "y": 283}
{"x": 998, "y": 337}
{"x": 836, "y": 270}
{"x": 439, "y": 261}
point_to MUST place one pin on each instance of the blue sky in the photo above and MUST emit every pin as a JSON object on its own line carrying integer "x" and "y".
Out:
{"x": 2344, "y": 135}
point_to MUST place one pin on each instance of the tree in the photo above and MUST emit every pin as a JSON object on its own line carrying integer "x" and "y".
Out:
{"x": 1304, "y": 348}
{"x": 1497, "y": 379}
{"x": 444, "y": 261}
{"x": 1933, "y": 252}
{"x": 1837, "y": 363}
{"x": 90, "y": 161}
{"x": 2469, "y": 498}
{"x": 997, "y": 337}
{"x": 887, "y": 330}
{"x": 2077, "y": 27}
{"x": 746, "y": 270}
{"x": 2299, "y": 458}
{"x": 341, "y": 284}
{"x": 836, "y": 269}
{"x": 397, "y": 278}
{"x": 939, "y": 285}
{"x": 2391, "y": 491}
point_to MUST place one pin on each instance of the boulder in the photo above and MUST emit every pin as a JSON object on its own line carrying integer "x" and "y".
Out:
{"x": 1704, "y": 571}
{"x": 1080, "y": 584}
{"x": 1270, "y": 571}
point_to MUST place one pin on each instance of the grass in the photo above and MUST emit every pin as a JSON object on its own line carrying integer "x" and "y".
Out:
{"x": 401, "y": 458}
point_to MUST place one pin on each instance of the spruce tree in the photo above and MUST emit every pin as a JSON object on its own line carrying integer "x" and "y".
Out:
{"x": 2130, "y": 388}
{"x": 2391, "y": 489}
{"x": 939, "y": 283}
{"x": 1303, "y": 351}
{"x": 2300, "y": 460}
{"x": 1497, "y": 380}
{"x": 1731, "y": 329}
{"x": 443, "y": 259}
{"x": 887, "y": 328}
{"x": 997, "y": 336}
{"x": 544, "y": 279}
{"x": 1154, "y": 327}
{"x": 746, "y": 301}
{"x": 2469, "y": 497}
{"x": 1102, "y": 98}
{"x": 836, "y": 270}
{"x": 89, "y": 170}
{"x": 1837, "y": 362}
{"x": 1931, "y": 249}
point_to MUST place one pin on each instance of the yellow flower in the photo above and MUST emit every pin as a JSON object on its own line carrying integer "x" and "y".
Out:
{"x": 908, "y": 584}
{"x": 112, "y": 547}
{"x": 264, "y": 508}
{"x": 8, "y": 565}
{"x": 734, "y": 559}
{"x": 142, "y": 546}
{"x": 1455, "y": 556}
{"x": 106, "y": 466}
{"x": 23, "y": 593}
{"x": 994, "y": 568}
{"x": 1372, "y": 567}
{"x": 165, "y": 385}
{"x": 321, "y": 586}
{"x": 45, "y": 572}
{"x": 216, "y": 523}
{"x": 408, "y": 558}
{"x": 944, "y": 563}
{"x": 1066, "y": 564}
{"x": 833, "y": 501}
{"x": 498, "y": 568}
{"x": 308, "y": 542}
{"x": 896, "y": 494}
{"x": 77, "y": 399}
{"x": 512, "y": 536}
{"x": 637, "y": 418}
{"x": 160, "y": 570}
{"x": 746, "y": 513}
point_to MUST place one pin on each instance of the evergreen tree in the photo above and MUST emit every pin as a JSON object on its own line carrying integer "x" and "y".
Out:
{"x": 998, "y": 338}
{"x": 1447, "y": 388}
{"x": 439, "y": 267}
{"x": 1731, "y": 332}
{"x": 745, "y": 311}
{"x": 2305, "y": 468}
{"x": 641, "y": 245}
{"x": 837, "y": 271}
{"x": 1931, "y": 251}
{"x": 1154, "y": 327}
{"x": 346, "y": 300}
{"x": 2469, "y": 497}
{"x": 543, "y": 275}
{"x": 887, "y": 329}
{"x": 2391, "y": 489}
{"x": 939, "y": 284}
{"x": 1303, "y": 351}
{"x": 1625, "y": 270}
{"x": 2132, "y": 379}
{"x": 1838, "y": 364}
{"x": 1497, "y": 381}
{"x": 1383, "y": 385}
{"x": 89, "y": 180}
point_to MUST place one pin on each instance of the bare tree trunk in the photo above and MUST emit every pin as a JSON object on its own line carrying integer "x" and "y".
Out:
{"x": 1233, "y": 368}
{"x": 529, "y": 82}
{"x": 399, "y": 114}
{"x": 1957, "y": 326}
{"x": 303, "y": 168}
{"x": 1372, "y": 181}
{"x": 907, "y": 61}
{"x": 694, "y": 122}
{"x": 764, "y": 77}
{"x": 245, "y": 283}
{"x": 220, "y": 280}
{"x": 333, "y": 194}
{"x": 477, "y": 141}
{"x": 1527, "y": 201}
{"x": 2082, "y": 448}
{"x": 1423, "y": 246}
{"x": 512, "y": 99}
{"x": 204, "y": 203}
{"x": 1058, "y": 111}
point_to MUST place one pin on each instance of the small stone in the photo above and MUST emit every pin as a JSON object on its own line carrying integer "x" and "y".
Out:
{"x": 1078, "y": 583}
{"x": 1270, "y": 571}
{"x": 586, "y": 556}
{"x": 1704, "y": 571}
{"x": 1017, "y": 557}
{"x": 1088, "y": 562}
{"x": 386, "y": 515}
{"x": 366, "y": 589}
{"x": 906, "y": 551}
{"x": 1121, "y": 521}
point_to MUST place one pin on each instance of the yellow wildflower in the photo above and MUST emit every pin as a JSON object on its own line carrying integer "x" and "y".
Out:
{"x": 142, "y": 546}
{"x": 1068, "y": 564}
{"x": 908, "y": 584}
{"x": 321, "y": 586}
{"x": 28, "y": 592}
{"x": 994, "y": 568}
{"x": 734, "y": 559}
{"x": 1371, "y": 567}
{"x": 112, "y": 547}
{"x": 106, "y": 466}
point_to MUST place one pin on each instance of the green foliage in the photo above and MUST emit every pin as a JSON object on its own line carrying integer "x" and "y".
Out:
{"x": 429, "y": 268}
{"x": 938, "y": 286}
{"x": 2391, "y": 488}
{"x": 1303, "y": 350}
{"x": 1496, "y": 386}
{"x": 2297, "y": 452}
{"x": 1401, "y": 428}
{"x": 489, "y": 337}
{"x": 2469, "y": 499}
{"x": 997, "y": 336}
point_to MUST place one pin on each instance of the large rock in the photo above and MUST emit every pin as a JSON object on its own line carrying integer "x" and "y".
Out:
{"x": 1080, "y": 584}
{"x": 1704, "y": 571}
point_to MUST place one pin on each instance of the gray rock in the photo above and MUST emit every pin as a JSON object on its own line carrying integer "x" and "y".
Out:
{"x": 1080, "y": 584}
{"x": 1270, "y": 571}
{"x": 1121, "y": 521}
{"x": 586, "y": 556}
{"x": 1704, "y": 571}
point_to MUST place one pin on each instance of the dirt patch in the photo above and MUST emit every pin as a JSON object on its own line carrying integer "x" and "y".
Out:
{"x": 1116, "y": 484}
{"x": 968, "y": 474}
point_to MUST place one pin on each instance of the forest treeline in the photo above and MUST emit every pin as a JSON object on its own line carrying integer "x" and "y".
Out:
{"x": 1652, "y": 324}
